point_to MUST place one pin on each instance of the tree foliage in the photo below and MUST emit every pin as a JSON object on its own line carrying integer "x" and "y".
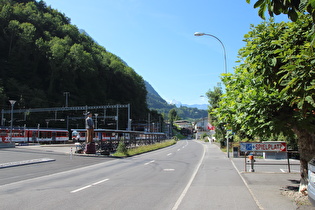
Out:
{"x": 214, "y": 98}
{"x": 43, "y": 55}
{"x": 172, "y": 116}
{"x": 273, "y": 89}
{"x": 293, "y": 8}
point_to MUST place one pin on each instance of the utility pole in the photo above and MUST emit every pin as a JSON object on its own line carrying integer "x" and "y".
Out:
{"x": 12, "y": 102}
{"x": 67, "y": 94}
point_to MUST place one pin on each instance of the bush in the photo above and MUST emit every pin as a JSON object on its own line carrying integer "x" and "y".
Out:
{"x": 122, "y": 147}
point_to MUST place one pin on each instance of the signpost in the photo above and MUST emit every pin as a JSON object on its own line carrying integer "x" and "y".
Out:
{"x": 268, "y": 146}
{"x": 263, "y": 146}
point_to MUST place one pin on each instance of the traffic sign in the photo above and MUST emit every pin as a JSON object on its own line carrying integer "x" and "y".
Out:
{"x": 263, "y": 146}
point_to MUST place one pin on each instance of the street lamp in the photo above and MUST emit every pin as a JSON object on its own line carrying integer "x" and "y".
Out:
{"x": 12, "y": 102}
{"x": 225, "y": 65}
{"x": 204, "y": 34}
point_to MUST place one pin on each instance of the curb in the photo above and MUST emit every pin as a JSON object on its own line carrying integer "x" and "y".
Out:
{"x": 25, "y": 162}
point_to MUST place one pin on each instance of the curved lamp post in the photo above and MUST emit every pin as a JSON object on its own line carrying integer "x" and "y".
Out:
{"x": 225, "y": 66}
{"x": 204, "y": 34}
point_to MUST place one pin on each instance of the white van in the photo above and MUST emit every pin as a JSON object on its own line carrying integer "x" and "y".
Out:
{"x": 311, "y": 181}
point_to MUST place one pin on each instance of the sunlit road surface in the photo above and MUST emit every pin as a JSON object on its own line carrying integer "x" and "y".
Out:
{"x": 188, "y": 175}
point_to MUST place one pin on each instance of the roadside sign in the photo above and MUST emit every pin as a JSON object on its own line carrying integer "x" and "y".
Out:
{"x": 263, "y": 146}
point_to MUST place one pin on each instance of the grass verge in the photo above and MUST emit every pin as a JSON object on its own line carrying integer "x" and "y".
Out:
{"x": 144, "y": 149}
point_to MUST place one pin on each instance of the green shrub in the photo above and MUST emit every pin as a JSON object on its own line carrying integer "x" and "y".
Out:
{"x": 122, "y": 149}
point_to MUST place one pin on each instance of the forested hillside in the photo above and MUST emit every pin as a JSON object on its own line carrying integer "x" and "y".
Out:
{"x": 42, "y": 55}
{"x": 155, "y": 101}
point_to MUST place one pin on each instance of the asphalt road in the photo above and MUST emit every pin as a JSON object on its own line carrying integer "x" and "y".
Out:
{"x": 150, "y": 181}
{"x": 62, "y": 162}
{"x": 188, "y": 175}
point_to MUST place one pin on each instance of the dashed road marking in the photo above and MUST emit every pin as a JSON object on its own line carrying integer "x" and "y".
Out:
{"x": 152, "y": 161}
{"x": 88, "y": 186}
{"x": 169, "y": 169}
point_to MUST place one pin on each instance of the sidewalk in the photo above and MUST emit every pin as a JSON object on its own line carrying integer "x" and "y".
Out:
{"x": 229, "y": 187}
{"x": 267, "y": 187}
{"x": 269, "y": 184}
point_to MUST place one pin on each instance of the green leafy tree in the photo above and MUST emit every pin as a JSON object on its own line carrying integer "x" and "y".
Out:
{"x": 172, "y": 115}
{"x": 293, "y": 8}
{"x": 214, "y": 97}
{"x": 272, "y": 90}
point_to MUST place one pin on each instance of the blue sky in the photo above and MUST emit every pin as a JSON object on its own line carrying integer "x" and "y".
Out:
{"x": 156, "y": 38}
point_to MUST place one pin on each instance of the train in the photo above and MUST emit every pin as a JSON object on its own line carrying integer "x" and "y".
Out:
{"x": 33, "y": 135}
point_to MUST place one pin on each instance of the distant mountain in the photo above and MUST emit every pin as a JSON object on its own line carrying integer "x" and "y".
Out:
{"x": 176, "y": 103}
{"x": 156, "y": 102}
{"x": 198, "y": 106}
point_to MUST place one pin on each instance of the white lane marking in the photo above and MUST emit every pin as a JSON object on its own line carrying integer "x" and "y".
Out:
{"x": 152, "y": 161}
{"x": 169, "y": 154}
{"x": 87, "y": 186}
{"x": 82, "y": 188}
{"x": 185, "y": 144}
{"x": 96, "y": 183}
{"x": 169, "y": 169}
{"x": 286, "y": 171}
{"x": 178, "y": 150}
{"x": 181, "y": 197}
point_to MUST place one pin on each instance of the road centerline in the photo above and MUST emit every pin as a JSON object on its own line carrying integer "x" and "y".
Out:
{"x": 96, "y": 183}
{"x": 88, "y": 186}
{"x": 82, "y": 188}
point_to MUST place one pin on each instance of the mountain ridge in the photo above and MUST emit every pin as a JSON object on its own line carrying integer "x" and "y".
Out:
{"x": 155, "y": 101}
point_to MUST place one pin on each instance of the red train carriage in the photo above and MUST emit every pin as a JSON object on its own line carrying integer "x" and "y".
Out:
{"x": 35, "y": 135}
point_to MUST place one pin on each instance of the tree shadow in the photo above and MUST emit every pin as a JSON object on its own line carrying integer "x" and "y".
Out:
{"x": 295, "y": 185}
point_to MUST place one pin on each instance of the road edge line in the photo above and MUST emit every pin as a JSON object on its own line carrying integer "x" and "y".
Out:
{"x": 247, "y": 186}
{"x": 181, "y": 197}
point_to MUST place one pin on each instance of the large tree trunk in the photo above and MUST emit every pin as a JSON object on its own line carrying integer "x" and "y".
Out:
{"x": 306, "y": 143}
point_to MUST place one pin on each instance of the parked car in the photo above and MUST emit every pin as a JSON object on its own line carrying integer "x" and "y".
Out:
{"x": 311, "y": 181}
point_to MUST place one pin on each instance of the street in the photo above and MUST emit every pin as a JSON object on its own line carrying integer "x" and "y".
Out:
{"x": 188, "y": 175}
